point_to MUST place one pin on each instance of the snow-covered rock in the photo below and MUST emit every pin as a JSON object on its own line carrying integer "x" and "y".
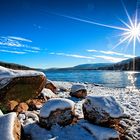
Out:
{"x": 48, "y": 94}
{"x": 10, "y": 127}
{"x": 101, "y": 133}
{"x": 57, "y": 111}
{"x": 20, "y": 85}
{"x": 50, "y": 85}
{"x": 78, "y": 91}
{"x": 10, "y": 73}
{"x": 102, "y": 109}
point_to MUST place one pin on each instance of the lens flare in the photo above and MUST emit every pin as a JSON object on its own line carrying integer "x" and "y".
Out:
{"x": 130, "y": 31}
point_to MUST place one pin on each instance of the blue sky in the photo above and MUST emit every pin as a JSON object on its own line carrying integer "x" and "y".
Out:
{"x": 45, "y": 33}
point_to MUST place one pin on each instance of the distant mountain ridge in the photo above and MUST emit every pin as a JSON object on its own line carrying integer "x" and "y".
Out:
{"x": 92, "y": 66}
{"x": 123, "y": 65}
{"x": 14, "y": 66}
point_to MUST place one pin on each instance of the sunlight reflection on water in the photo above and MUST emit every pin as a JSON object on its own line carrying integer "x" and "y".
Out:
{"x": 132, "y": 78}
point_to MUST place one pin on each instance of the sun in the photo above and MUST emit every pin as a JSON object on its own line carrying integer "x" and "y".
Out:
{"x": 134, "y": 32}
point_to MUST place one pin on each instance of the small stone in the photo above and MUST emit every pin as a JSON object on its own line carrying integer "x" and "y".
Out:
{"x": 35, "y": 104}
{"x": 22, "y": 107}
{"x": 50, "y": 85}
{"x": 48, "y": 94}
{"x": 11, "y": 105}
{"x": 78, "y": 91}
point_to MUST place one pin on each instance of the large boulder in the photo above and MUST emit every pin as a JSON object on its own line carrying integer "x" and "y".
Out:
{"x": 57, "y": 111}
{"x": 20, "y": 85}
{"x": 10, "y": 127}
{"x": 104, "y": 110}
{"x": 78, "y": 91}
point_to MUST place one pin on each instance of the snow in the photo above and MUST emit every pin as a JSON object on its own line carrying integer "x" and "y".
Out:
{"x": 62, "y": 86}
{"x": 28, "y": 117}
{"x": 54, "y": 104}
{"x": 101, "y": 133}
{"x": 107, "y": 104}
{"x": 1, "y": 114}
{"x": 7, "y": 126}
{"x": 76, "y": 88}
{"x": 71, "y": 132}
{"x": 7, "y": 74}
{"x": 130, "y": 102}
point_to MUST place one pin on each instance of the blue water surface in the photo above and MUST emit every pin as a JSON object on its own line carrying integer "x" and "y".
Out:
{"x": 119, "y": 79}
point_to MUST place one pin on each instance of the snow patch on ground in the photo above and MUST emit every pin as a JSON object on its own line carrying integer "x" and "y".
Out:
{"x": 100, "y": 133}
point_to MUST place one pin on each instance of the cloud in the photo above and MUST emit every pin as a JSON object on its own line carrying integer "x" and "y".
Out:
{"x": 14, "y": 52}
{"x": 32, "y": 51}
{"x": 22, "y": 45}
{"x": 111, "y": 59}
{"x": 91, "y": 50}
{"x": 116, "y": 53}
{"x": 73, "y": 55}
{"x": 112, "y": 53}
{"x": 20, "y": 38}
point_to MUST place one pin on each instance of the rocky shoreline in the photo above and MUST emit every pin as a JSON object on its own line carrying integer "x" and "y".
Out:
{"x": 35, "y": 108}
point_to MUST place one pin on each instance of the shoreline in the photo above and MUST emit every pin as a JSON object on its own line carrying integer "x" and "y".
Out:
{"x": 129, "y": 100}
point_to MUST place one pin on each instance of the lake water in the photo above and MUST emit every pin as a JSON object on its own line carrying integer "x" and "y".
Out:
{"x": 106, "y": 78}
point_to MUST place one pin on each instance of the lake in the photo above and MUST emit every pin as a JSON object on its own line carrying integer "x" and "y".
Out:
{"x": 107, "y": 78}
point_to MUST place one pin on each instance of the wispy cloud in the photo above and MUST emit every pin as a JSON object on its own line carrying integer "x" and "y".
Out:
{"x": 73, "y": 55}
{"x": 8, "y": 44}
{"x": 116, "y": 53}
{"x": 112, "y": 53}
{"x": 14, "y": 52}
{"x": 91, "y": 50}
{"x": 111, "y": 59}
{"x": 32, "y": 51}
{"x": 20, "y": 38}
